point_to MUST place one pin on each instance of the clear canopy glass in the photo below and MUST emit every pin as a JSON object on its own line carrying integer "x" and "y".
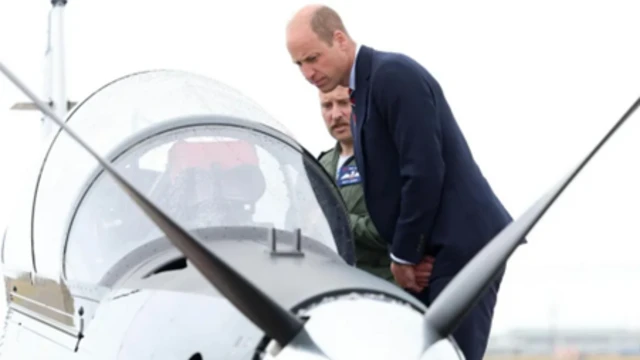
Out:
{"x": 204, "y": 154}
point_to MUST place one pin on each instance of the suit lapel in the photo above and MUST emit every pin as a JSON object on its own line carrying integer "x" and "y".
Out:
{"x": 363, "y": 72}
{"x": 361, "y": 107}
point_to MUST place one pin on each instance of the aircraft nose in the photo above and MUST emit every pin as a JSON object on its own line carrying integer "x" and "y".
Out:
{"x": 343, "y": 328}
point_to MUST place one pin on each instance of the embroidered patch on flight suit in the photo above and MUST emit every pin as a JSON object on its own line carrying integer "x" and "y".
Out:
{"x": 348, "y": 175}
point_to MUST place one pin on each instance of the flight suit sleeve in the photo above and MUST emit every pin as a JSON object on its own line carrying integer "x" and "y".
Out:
{"x": 365, "y": 233}
{"x": 322, "y": 153}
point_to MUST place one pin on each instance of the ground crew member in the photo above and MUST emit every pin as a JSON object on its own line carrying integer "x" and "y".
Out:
{"x": 372, "y": 254}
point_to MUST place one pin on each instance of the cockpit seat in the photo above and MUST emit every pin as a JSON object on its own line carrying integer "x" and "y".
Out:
{"x": 210, "y": 178}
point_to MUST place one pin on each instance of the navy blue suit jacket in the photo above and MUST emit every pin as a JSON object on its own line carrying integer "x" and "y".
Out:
{"x": 423, "y": 189}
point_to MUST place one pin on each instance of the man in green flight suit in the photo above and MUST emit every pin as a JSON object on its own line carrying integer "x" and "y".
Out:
{"x": 372, "y": 254}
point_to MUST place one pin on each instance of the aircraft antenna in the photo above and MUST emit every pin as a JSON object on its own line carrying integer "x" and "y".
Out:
{"x": 55, "y": 89}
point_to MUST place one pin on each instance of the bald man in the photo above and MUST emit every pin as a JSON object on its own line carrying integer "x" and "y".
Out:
{"x": 424, "y": 192}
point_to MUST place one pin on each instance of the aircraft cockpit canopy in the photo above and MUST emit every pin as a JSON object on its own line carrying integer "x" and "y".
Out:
{"x": 204, "y": 154}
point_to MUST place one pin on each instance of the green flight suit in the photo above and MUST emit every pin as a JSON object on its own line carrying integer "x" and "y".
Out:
{"x": 372, "y": 254}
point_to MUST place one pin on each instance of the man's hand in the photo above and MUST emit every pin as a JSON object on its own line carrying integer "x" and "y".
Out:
{"x": 423, "y": 271}
{"x": 405, "y": 276}
{"x": 413, "y": 277}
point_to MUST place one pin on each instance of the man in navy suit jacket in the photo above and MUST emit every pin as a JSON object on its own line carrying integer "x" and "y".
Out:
{"x": 424, "y": 191}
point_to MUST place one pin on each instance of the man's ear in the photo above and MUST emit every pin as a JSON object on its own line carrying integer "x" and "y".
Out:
{"x": 340, "y": 39}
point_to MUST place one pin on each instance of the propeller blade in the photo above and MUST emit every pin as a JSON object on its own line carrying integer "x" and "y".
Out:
{"x": 276, "y": 322}
{"x": 466, "y": 288}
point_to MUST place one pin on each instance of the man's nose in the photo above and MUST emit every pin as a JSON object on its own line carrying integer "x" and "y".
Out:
{"x": 308, "y": 72}
{"x": 336, "y": 114}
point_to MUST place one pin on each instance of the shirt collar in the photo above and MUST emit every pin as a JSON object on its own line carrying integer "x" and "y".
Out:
{"x": 338, "y": 149}
{"x": 352, "y": 76}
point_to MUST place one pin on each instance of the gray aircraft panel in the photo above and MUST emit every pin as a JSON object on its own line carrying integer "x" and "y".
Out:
{"x": 291, "y": 280}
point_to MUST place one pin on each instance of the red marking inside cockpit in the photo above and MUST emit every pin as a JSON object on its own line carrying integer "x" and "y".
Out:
{"x": 228, "y": 154}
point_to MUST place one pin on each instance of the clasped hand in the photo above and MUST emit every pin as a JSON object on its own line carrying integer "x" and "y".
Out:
{"x": 413, "y": 277}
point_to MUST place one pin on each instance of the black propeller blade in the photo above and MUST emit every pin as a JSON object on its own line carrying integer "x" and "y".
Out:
{"x": 467, "y": 287}
{"x": 277, "y": 323}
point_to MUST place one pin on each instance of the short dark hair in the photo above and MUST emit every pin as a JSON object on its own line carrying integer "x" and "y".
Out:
{"x": 324, "y": 22}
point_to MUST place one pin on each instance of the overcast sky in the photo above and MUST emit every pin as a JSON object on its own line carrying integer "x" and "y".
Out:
{"x": 533, "y": 84}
